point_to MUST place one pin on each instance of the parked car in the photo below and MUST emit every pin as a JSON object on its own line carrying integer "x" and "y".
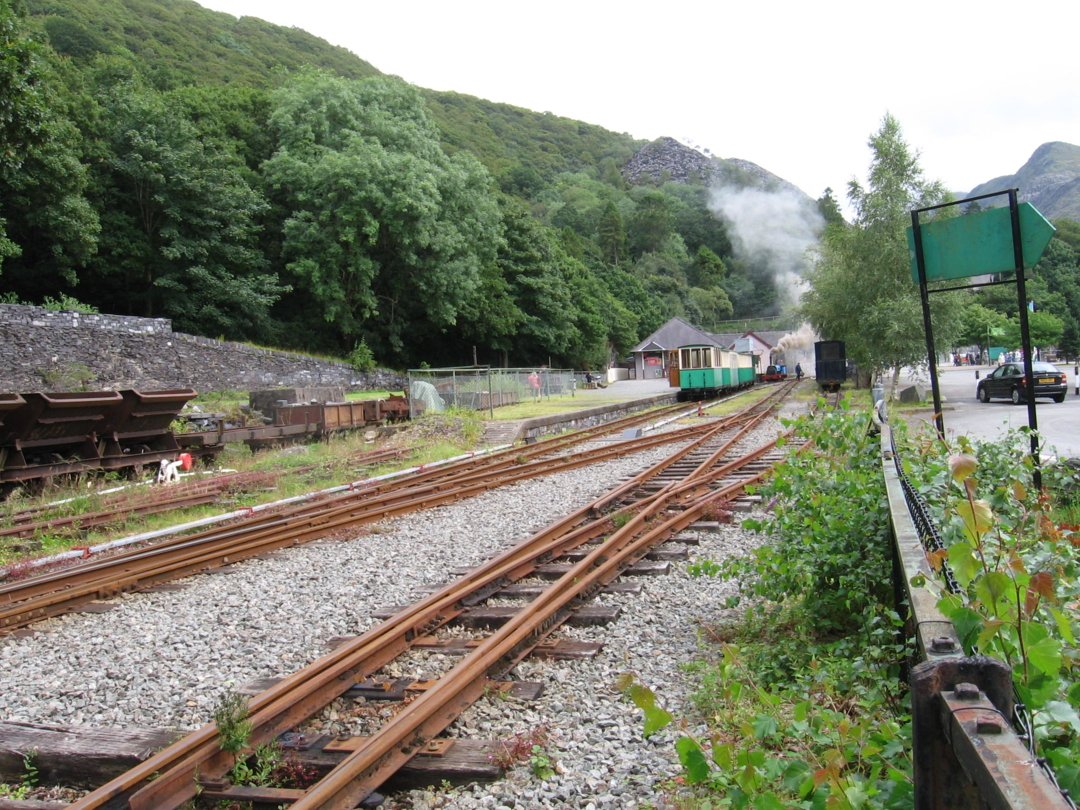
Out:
{"x": 1007, "y": 382}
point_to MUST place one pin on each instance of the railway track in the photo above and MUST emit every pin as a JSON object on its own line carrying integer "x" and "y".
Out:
{"x": 608, "y": 535}
{"x": 52, "y": 594}
{"x": 144, "y": 502}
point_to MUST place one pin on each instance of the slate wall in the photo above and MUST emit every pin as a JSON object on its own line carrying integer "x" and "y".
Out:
{"x": 42, "y": 350}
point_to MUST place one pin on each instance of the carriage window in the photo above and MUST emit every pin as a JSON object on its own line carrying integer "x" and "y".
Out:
{"x": 684, "y": 360}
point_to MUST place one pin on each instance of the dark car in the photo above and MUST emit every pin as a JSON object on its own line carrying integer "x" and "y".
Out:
{"x": 1007, "y": 382}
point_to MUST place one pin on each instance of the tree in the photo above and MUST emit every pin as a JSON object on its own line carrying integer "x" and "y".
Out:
{"x": 387, "y": 234}
{"x": 707, "y": 269}
{"x": 708, "y": 307}
{"x": 651, "y": 225}
{"x": 860, "y": 285}
{"x": 829, "y": 208}
{"x": 45, "y": 219}
{"x": 181, "y": 222}
{"x": 1044, "y": 329}
{"x": 982, "y": 326}
{"x": 611, "y": 234}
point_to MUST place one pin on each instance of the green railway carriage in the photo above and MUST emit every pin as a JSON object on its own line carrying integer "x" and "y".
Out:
{"x": 707, "y": 371}
{"x": 746, "y": 375}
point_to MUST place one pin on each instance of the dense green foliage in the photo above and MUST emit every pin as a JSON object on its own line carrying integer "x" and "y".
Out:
{"x": 253, "y": 182}
{"x": 803, "y": 698}
{"x": 1019, "y": 574}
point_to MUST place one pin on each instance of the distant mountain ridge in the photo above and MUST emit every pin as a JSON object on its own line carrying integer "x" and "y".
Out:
{"x": 1050, "y": 180}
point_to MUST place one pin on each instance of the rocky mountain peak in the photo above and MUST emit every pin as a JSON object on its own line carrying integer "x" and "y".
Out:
{"x": 667, "y": 159}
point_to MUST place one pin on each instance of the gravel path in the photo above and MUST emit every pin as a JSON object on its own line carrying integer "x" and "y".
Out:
{"x": 165, "y": 659}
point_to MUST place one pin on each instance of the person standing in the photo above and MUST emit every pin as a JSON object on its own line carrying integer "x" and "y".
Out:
{"x": 798, "y": 371}
{"x": 534, "y": 384}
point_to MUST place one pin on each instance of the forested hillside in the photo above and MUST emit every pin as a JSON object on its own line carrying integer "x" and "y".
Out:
{"x": 254, "y": 182}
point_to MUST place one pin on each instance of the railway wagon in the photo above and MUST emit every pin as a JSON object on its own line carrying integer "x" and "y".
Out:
{"x": 708, "y": 371}
{"x": 48, "y": 434}
{"x": 43, "y": 435}
{"x": 291, "y": 422}
{"x": 830, "y": 364}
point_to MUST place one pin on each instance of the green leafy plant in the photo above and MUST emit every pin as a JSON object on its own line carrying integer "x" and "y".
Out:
{"x": 27, "y": 783}
{"x": 802, "y": 696}
{"x": 1017, "y": 569}
{"x": 540, "y": 763}
{"x": 67, "y": 377}
{"x": 704, "y": 568}
{"x": 830, "y": 527}
{"x": 361, "y": 357}
{"x": 526, "y": 746}
{"x": 231, "y": 717}
{"x": 66, "y": 303}
{"x": 261, "y": 769}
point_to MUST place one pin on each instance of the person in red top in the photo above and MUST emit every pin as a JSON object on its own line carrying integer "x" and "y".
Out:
{"x": 534, "y": 384}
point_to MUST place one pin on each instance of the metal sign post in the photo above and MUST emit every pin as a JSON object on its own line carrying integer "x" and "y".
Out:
{"x": 979, "y": 244}
{"x": 924, "y": 297}
{"x": 1025, "y": 337}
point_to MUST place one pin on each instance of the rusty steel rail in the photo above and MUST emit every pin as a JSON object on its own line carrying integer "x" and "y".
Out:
{"x": 295, "y": 698}
{"x": 55, "y": 593}
{"x": 157, "y": 500}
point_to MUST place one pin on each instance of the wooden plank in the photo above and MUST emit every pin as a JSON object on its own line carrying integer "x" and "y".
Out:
{"x": 586, "y": 616}
{"x": 399, "y": 688}
{"x": 256, "y": 795}
{"x": 687, "y": 539}
{"x": 463, "y": 762}
{"x": 559, "y": 650}
{"x": 643, "y": 568}
{"x": 533, "y": 590}
{"x": 79, "y": 756}
{"x": 669, "y": 551}
{"x": 31, "y": 804}
{"x": 565, "y": 650}
{"x": 166, "y": 587}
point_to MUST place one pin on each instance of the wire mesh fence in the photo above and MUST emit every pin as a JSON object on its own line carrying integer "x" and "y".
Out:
{"x": 482, "y": 388}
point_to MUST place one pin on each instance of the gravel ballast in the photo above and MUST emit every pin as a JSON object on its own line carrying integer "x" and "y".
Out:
{"x": 165, "y": 659}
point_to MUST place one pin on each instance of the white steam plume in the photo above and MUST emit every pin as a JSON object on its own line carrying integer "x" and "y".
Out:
{"x": 803, "y": 338}
{"x": 771, "y": 230}
{"x": 798, "y": 347}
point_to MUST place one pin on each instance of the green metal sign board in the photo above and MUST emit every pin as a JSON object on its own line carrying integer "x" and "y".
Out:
{"x": 979, "y": 243}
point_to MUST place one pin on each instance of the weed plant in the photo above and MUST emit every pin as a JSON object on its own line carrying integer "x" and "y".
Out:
{"x": 1018, "y": 569}
{"x": 28, "y": 782}
{"x": 802, "y": 697}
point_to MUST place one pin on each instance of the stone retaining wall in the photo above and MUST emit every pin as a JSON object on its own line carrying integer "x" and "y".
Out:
{"x": 42, "y": 350}
{"x": 532, "y": 429}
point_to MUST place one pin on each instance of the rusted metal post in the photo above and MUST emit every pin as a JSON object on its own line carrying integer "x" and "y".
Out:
{"x": 935, "y": 765}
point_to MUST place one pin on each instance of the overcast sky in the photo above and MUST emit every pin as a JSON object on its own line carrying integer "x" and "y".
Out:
{"x": 794, "y": 86}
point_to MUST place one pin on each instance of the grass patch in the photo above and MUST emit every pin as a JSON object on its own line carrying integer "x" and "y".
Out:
{"x": 295, "y": 469}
